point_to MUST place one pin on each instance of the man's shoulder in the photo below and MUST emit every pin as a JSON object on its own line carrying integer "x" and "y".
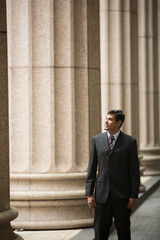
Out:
{"x": 128, "y": 137}
{"x": 100, "y": 135}
{"x": 124, "y": 135}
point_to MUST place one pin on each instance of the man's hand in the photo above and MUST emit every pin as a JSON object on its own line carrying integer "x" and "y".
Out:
{"x": 91, "y": 202}
{"x": 131, "y": 203}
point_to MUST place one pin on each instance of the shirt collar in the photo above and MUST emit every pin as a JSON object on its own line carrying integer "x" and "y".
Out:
{"x": 115, "y": 135}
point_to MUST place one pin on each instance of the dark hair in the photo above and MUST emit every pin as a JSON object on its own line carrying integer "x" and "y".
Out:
{"x": 119, "y": 115}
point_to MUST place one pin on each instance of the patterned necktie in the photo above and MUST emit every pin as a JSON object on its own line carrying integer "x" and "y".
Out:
{"x": 110, "y": 140}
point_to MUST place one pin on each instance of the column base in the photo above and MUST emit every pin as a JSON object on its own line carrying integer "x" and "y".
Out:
{"x": 142, "y": 169}
{"x": 151, "y": 161}
{"x": 142, "y": 188}
{"x": 6, "y": 232}
{"x": 50, "y": 201}
{"x": 51, "y": 225}
{"x": 17, "y": 237}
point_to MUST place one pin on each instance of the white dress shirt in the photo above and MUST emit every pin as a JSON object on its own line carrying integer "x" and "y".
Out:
{"x": 115, "y": 136}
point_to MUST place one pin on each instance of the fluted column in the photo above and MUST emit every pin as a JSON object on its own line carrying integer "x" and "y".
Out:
{"x": 149, "y": 85}
{"x": 54, "y": 78}
{"x": 119, "y": 60}
{"x": 119, "y": 72}
{"x": 7, "y": 214}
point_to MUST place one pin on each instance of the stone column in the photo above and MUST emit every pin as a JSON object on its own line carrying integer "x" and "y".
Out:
{"x": 149, "y": 85}
{"x": 159, "y": 58}
{"x": 119, "y": 61}
{"x": 7, "y": 214}
{"x": 119, "y": 72}
{"x": 54, "y": 69}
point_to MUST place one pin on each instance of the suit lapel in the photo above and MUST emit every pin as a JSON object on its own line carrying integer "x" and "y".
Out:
{"x": 118, "y": 141}
{"x": 105, "y": 140}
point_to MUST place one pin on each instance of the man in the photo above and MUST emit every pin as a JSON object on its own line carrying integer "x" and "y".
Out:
{"x": 114, "y": 155}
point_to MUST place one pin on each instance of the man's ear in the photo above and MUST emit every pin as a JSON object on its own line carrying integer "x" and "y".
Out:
{"x": 119, "y": 123}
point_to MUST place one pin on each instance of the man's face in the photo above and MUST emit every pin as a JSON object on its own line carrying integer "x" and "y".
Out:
{"x": 111, "y": 125}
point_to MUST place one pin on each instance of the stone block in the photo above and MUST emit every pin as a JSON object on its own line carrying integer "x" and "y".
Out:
{"x": 42, "y": 33}
{"x": 20, "y": 118}
{"x": 42, "y": 119}
{"x": 19, "y": 33}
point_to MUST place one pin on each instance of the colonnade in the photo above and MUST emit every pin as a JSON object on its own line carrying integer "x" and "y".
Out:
{"x": 69, "y": 62}
{"x": 130, "y": 72}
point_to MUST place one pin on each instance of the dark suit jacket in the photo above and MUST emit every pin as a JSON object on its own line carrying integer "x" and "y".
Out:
{"x": 118, "y": 170}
